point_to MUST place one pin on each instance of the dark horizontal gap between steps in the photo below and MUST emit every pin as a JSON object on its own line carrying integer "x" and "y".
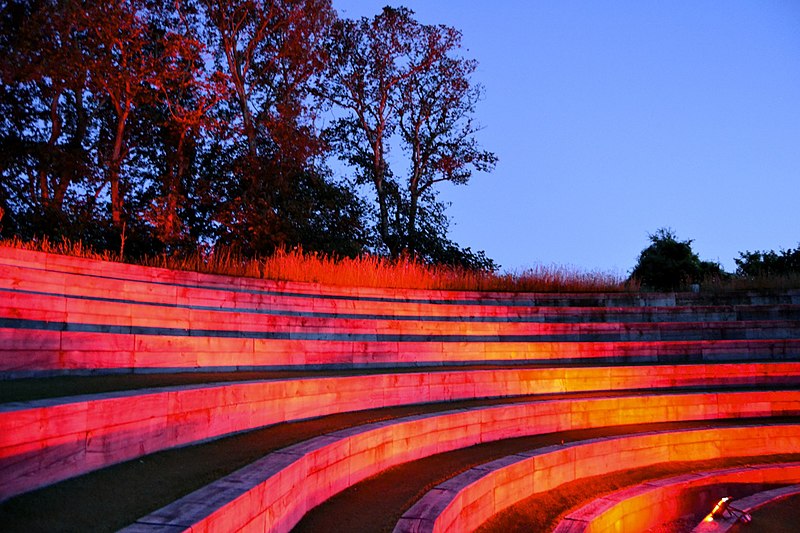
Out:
{"x": 690, "y": 359}
{"x": 113, "y": 497}
{"x": 718, "y": 333}
{"x": 562, "y": 316}
{"x": 31, "y": 389}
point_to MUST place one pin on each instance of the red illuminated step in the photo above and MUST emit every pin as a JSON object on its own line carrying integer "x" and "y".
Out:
{"x": 274, "y": 493}
{"x": 28, "y": 288}
{"x": 466, "y": 501}
{"x": 661, "y": 501}
{"x": 35, "y": 352}
{"x": 119, "y": 272}
{"x": 27, "y": 311}
{"x": 44, "y": 441}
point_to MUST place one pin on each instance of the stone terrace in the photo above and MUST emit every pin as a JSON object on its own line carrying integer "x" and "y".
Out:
{"x": 104, "y": 365}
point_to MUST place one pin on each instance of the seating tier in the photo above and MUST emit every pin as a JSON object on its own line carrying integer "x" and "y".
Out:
{"x": 616, "y": 358}
{"x": 650, "y": 504}
{"x": 467, "y": 500}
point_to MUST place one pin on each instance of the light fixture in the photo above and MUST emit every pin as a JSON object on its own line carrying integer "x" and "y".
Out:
{"x": 724, "y": 508}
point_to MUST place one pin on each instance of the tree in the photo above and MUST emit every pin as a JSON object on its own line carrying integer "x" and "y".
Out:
{"x": 187, "y": 93}
{"x": 123, "y": 64}
{"x": 167, "y": 124}
{"x": 669, "y": 264}
{"x": 46, "y": 119}
{"x": 365, "y": 70}
{"x": 435, "y": 120}
{"x": 768, "y": 263}
{"x": 269, "y": 50}
{"x": 398, "y": 81}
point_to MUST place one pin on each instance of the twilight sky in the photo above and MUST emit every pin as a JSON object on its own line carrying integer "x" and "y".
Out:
{"x": 614, "y": 118}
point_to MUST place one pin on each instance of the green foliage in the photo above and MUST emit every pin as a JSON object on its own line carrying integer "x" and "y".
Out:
{"x": 155, "y": 128}
{"x": 396, "y": 82}
{"x": 670, "y": 264}
{"x": 765, "y": 264}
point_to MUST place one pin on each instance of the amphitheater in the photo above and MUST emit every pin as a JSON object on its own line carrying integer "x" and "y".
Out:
{"x": 142, "y": 399}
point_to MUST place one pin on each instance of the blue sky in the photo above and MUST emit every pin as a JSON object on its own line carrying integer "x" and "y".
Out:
{"x": 614, "y": 118}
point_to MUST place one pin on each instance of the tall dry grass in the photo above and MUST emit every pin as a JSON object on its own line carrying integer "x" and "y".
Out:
{"x": 363, "y": 271}
{"x": 402, "y": 273}
{"x": 62, "y": 247}
{"x": 374, "y": 271}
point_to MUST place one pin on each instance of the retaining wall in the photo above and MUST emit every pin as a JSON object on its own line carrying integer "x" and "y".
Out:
{"x": 278, "y": 490}
{"x": 650, "y": 504}
{"x": 78, "y": 316}
{"x": 44, "y": 441}
{"x": 469, "y": 499}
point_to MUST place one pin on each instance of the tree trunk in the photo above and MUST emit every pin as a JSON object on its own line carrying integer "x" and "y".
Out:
{"x": 55, "y": 133}
{"x": 174, "y": 190}
{"x": 414, "y": 192}
{"x": 237, "y": 77}
{"x": 75, "y": 146}
{"x": 383, "y": 223}
{"x": 117, "y": 200}
{"x": 379, "y": 171}
{"x": 411, "y": 242}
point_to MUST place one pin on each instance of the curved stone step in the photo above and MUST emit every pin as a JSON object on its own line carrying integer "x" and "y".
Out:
{"x": 749, "y": 504}
{"x": 27, "y": 310}
{"x": 660, "y": 501}
{"x": 66, "y": 316}
{"x": 46, "y": 440}
{"x": 283, "y": 486}
{"x": 125, "y": 272}
{"x": 480, "y": 380}
{"x": 23, "y": 286}
{"x": 38, "y": 348}
{"x": 469, "y": 499}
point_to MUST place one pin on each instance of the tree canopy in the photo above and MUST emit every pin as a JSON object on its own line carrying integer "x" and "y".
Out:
{"x": 768, "y": 263}
{"x": 402, "y": 84}
{"x": 160, "y": 127}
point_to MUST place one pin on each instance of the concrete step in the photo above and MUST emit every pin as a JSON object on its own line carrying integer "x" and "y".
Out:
{"x": 38, "y": 348}
{"x": 82, "y": 433}
{"x": 594, "y": 354}
{"x": 28, "y": 309}
{"x": 429, "y": 384}
{"x": 119, "y": 272}
{"x": 648, "y": 505}
{"x": 36, "y": 288}
{"x": 469, "y": 499}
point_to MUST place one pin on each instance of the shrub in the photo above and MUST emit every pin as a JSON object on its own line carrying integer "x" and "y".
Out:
{"x": 670, "y": 264}
{"x": 766, "y": 264}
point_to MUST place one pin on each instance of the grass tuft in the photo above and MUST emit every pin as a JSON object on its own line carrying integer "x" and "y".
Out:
{"x": 62, "y": 247}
